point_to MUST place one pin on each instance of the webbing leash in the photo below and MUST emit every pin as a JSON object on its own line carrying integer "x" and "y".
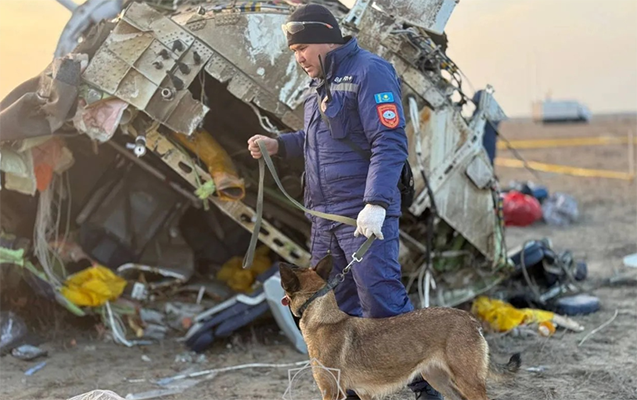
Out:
{"x": 266, "y": 160}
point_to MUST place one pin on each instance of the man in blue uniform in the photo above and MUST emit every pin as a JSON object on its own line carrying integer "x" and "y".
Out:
{"x": 355, "y": 146}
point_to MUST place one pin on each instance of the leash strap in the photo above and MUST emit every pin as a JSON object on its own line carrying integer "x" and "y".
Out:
{"x": 336, "y": 280}
{"x": 267, "y": 161}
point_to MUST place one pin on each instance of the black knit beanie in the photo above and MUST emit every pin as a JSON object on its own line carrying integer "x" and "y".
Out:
{"x": 315, "y": 33}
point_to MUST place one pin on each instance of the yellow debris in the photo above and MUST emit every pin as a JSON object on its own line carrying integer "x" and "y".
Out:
{"x": 93, "y": 286}
{"x": 503, "y": 317}
{"x": 240, "y": 279}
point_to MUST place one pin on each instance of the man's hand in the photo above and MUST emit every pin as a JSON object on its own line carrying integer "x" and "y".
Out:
{"x": 270, "y": 144}
{"x": 370, "y": 221}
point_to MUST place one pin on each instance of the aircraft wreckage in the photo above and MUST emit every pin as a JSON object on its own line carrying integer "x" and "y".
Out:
{"x": 119, "y": 129}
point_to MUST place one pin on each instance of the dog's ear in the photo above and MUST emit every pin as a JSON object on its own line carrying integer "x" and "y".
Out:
{"x": 324, "y": 267}
{"x": 289, "y": 281}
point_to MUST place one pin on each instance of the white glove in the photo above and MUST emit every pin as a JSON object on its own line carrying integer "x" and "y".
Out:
{"x": 370, "y": 221}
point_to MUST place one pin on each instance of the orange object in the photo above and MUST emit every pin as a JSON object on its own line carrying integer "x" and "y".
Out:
{"x": 546, "y": 328}
{"x": 45, "y": 158}
{"x": 224, "y": 174}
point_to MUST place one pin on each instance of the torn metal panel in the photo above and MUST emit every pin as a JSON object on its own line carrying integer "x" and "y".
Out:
{"x": 425, "y": 87}
{"x": 149, "y": 59}
{"x": 460, "y": 177}
{"x": 128, "y": 42}
{"x": 106, "y": 70}
{"x": 236, "y": 210}
{"x": 151, "y": 65}
{"x": 431, "y": 15}
{"x": 175, "y": 274}
{"x": 370, "y": 26}
{"x": 148, "y": 53}
{"x": 135, "y": 89}
{"x": 480, "y": 171}
{"x": 248, "y": 51}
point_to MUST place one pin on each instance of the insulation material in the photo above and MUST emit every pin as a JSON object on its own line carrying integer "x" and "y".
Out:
{"x": 48, "y": 158}
{"x": 32, "y": 165}
{"x": 18, "y": 168}
{"x": 224, "y": 174}
{"x": 99, "y": 120}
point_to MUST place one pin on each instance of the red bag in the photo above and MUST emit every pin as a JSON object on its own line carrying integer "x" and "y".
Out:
{"x": 520, "y": 209}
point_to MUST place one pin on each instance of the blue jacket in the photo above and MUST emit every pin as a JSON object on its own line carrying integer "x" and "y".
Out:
{"x": 366, "y": 108}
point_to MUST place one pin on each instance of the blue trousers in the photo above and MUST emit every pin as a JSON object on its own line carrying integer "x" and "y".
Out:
{"x": 373, "y": 288}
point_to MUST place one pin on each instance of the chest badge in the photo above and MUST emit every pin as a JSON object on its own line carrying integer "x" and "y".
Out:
{"x": 388, "y": 115}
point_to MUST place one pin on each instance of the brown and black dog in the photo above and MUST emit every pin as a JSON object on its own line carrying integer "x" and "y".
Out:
{"x": 377, "y": 357}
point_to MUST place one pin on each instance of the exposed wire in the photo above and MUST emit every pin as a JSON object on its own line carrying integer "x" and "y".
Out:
{"x": 43, "y": 230}
{"x": 602, "y": 326}
{"x": 265, "y": 122}
{"x": 117, "y": 327}
{"x": 516, "y": 154}
{"x": 233, "y": 368}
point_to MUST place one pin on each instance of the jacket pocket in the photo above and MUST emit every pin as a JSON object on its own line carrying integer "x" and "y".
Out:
{"x": 336, "y": 117}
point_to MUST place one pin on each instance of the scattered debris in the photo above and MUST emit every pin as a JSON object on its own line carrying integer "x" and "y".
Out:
{"x": 190, "y": 357}
{"x": 35, "y": 369}
{"x": 580, "y": 304}
{"x": 521, "y": 209}
{"x": 503, "y": 317}
{"x": 630, "y": 261}
{"x": 146, "y": 358}
{"x": 27, "y": 352}
{"x": 153, "y": 394}
{"x": 97, "y": 395}
{"x": 180, "y": 314}
{"x": 560, "y": 209}
{"x": 176, "y": 114}
{"x": 546, "y": 328}
{"x": 12, "y": 330}
{"x": 224, "y": 318}
{"x": 540, "y": 192}
{"x": 540, "y": 368}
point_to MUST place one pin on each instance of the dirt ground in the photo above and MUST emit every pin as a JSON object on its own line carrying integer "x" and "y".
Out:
{"x": 603, "y": 367}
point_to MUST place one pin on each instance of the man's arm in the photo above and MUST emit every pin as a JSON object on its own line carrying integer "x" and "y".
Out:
{"x": 291, "y": 144}
{"x": 381, "y": 112}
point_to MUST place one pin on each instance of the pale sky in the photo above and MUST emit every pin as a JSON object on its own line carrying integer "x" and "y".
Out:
{"x": 578, "y": 49}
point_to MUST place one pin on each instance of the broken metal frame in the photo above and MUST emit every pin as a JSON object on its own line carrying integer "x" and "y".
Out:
{"x": 237, "y": 210}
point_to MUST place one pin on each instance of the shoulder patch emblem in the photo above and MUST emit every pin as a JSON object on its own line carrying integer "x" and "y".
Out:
{"x": 388, "y": 115}
{"x": 385, "y": 97}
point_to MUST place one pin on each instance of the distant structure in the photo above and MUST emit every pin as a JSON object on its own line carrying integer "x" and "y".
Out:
{"x": 560, "y": 111}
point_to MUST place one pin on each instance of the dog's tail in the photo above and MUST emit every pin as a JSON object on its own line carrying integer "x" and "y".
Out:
{"x": 499, "y": 372}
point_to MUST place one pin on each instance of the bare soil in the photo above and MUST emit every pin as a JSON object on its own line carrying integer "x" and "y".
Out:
{"x": 603, "y": 367}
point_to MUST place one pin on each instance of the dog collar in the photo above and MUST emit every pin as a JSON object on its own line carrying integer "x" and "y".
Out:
{"x": 338, "y": 278}
{"x": 335, "y": 281}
